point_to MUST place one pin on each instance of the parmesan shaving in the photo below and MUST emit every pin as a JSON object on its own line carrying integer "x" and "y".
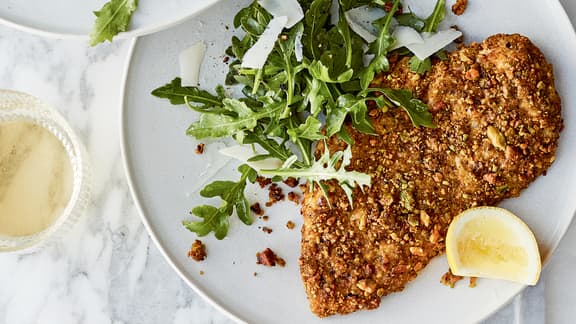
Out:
{"x": 405, "y": 36}
{"x": 190, "y": 61}
{"x": 257, "y": 55}
{"x": 243, "y": 153}
{"x": 360, "y": 21}
{"x": 289, "y": 8}
{"x": 433, "y": 42}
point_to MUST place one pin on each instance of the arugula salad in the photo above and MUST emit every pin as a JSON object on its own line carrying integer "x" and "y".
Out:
{"x": 304, "y": 68}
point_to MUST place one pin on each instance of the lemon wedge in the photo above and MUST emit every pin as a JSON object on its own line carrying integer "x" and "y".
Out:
{"x": 492, "y": 242}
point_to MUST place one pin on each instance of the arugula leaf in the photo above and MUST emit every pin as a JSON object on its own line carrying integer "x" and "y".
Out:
{"x": 274, "y": 149}
{"x": 344, "y": 135}
{"x": 113, "y": 18}
{"x": 380, "y": 49}
{"x": 179, "y": 95}
{"x": 419, "y": 66}
{"x": 416, "y": 109}
{"x": 232, "y": 194}
{"x": 327, "y": 167}
{"x": 241, "y": 118}
{"x": 316, "y": 94}
{"x": 437, "y": 15}
{"x": 411, "y": 20}
{"x": 287, "y": 46}
{"x": 314, "y": 20}
{"x": 309, "y": 130}
{"x": 239, "y": 47}
{"x": 344, "y": 31}
{"x": 381, "y": 45}
{"x": 340, "y": 55}
{"x": 321, "y": 72}
{"x": 377, "y": 65}
{"x": 348, "y": 104}
{"x": 253, "y": 19}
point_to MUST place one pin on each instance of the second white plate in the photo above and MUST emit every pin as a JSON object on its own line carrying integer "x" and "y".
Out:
{"x": 74, "y": 18}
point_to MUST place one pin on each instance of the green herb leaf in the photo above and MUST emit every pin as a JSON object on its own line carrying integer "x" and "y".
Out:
{"x": 309, "y": 130}
{"x": 239, "y": 46}
{"x": 357, "y": 109}
{"x": 315, "y": 18}
{"x": 411, "y": 20}
{"x": 377, "y": 65}
{"x": 113, "y": 18}
{"x": 241, "y": 118}
{"x": 216, "y": 188}
{"x": 327, "y": 167}
{"x": 315, "y": 95}
{"x": 179, "y": 95}
{"x": 419, "y": 66}
{"x": 381, "y": 45}
{"x": 253, "y": 19}
{"x": 437, "y": 15}
{"x": 416, "y": 109}
{"x": 379, "y": 48}
{"x": 344, "y": 31}
{"x": 321, "y": 72}
{"x": 217, "y": 219}
{"x": 274, "y": 149}
{"x": 345, "y": 136}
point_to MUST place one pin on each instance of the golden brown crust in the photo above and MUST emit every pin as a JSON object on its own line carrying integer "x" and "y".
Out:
{"x": 498, "y": 118}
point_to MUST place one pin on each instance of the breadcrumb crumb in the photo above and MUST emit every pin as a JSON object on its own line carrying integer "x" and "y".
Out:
{"x": 459, "y": 7}
{"x": 200, "y": 148}
{"x": 197, "y": 251}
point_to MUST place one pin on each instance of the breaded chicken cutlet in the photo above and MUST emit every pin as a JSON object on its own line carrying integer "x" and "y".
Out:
{"x": 498, "y": 122}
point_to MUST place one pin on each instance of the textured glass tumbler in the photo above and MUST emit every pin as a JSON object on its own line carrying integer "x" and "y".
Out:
{"x": 17, "y": 106}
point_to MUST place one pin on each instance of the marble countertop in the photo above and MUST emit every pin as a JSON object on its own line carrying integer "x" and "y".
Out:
{"x": 107, "y": 269}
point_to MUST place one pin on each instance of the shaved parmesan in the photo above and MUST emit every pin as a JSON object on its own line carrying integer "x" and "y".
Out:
{"x": 298, "y": 47}
{"x": 404, "y": 35}
{"x": 433, "y": 42}
{"x": 190, "y": 62}
{"x": 289, "y": 8}
{"x": 257, "y": 55}
{"x": 367, "y": 58}
{"x": 243, "y": 153}
{"x": 360, "y": 21}
{"x": 334, "y": 12}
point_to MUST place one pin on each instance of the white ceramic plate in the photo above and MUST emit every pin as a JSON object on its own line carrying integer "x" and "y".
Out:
{"x": 165, "y": 175}
{"x": 74, "y": 18}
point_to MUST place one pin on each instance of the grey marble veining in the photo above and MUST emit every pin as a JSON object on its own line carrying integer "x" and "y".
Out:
{"x": 106, "y": 269}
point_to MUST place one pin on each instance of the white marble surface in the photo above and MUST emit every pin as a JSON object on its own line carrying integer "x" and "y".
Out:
{"x": 106, "y": 269}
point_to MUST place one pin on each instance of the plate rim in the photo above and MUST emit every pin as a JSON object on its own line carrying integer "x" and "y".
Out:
{"x": 556, "y": 4}
{"x": 139, "y": 206}
{"x": 131, "y": 33}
